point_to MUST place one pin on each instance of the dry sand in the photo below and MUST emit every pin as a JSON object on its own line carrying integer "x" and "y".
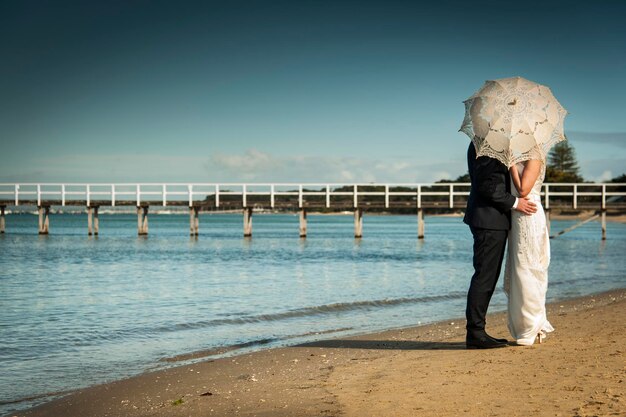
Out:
{"x": 422, "y": 371}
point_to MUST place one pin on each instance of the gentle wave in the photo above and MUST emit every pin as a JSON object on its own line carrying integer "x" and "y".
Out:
{"x": 96, "y": 337}
{"x": 317, "y": 310}
{"x": 258, "y": 318}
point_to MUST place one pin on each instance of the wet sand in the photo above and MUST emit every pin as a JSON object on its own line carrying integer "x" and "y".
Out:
{"x": 580, "y": 370}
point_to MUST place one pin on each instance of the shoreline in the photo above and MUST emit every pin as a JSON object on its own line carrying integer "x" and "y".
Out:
{"x": 367, "y": 374}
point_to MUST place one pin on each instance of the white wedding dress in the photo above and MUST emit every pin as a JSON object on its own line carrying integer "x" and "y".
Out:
{"x": 526, "y": 269}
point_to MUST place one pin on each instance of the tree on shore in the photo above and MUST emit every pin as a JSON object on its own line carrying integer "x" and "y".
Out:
{"x": 621, "y": 179}
{"x": 562, "y": 164}
{"x": 461, "y": 178}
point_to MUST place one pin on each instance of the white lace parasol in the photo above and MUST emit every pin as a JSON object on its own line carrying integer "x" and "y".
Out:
{"x": 513, "y": 120}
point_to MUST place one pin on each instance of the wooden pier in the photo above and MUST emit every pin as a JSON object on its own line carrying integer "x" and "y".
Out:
{"x": 357, "y": 198}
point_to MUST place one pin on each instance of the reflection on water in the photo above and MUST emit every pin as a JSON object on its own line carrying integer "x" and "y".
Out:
{"x": 77, "y": 310}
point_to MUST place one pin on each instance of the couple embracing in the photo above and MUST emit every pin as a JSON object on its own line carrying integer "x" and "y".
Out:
{"x": 512, "y": 123}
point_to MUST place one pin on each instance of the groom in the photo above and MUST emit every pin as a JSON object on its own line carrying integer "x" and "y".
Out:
{"x": 488, "y": 215}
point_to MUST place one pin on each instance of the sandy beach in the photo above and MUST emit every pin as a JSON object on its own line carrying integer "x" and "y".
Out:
{"x": 578, "y": 371}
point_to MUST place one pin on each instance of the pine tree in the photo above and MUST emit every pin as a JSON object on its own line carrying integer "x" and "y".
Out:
{"x": 562, "y": 164}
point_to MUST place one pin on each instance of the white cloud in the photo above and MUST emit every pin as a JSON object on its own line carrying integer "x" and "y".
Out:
{"x": 250, "y": 166}
{"x": 606, "y": 176}
{"x": 603, "y": 169}
{"x": 257, "y": 166}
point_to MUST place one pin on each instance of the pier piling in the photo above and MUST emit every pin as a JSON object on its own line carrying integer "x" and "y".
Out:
{"x": 303, "y": 222}
{"x": 194, "y": 221}
{"x": 603, "y": 217}
{"x": 2, "y": 223}
{"x": 44, "y": 219}
{"x": 92, "y": 220}
{"x": 358, "y": 223}
{"x": 247, "y": 221}
{"x": 142, "y": 220}
{"x": 420, "y": 223}
{"x": 89, "y": 221}
{"x": 96, "y": 221}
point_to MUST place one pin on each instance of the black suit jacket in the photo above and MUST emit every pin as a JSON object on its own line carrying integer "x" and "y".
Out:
{"x": 490, "y": 200}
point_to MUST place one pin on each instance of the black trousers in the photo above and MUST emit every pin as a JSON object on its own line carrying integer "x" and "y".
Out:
{"x": 489, "y": 248}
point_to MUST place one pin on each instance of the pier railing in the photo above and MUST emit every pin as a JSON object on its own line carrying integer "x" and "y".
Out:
{"x": 217, "y": 195}
{"x": 442, "y": 195}
{"x": 301, "y": 196}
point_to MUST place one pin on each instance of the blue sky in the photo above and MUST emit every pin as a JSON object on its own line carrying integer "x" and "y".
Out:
{"x": 311, "y": 91}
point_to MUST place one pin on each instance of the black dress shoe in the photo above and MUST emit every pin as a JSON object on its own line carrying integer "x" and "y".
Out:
{"x": 483, "y": 342}
{"x": 499, "y": 340}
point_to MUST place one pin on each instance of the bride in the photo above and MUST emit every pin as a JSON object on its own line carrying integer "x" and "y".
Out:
{"x": 526, "y": 270}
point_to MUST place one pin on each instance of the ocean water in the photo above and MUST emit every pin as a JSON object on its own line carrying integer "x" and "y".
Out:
{"x": 77, "y": 310}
